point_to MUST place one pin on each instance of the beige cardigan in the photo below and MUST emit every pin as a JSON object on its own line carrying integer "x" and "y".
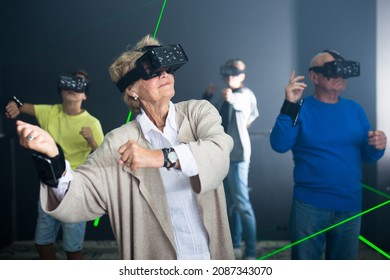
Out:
{"x": 136, "y": 201}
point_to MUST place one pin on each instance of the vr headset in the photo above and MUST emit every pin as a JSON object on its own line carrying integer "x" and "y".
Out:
{"x": 338, "y": 68}
{"x": 153, "y": 62}
{"x": 74, "y": 83}
{"x": 227, "y": 71}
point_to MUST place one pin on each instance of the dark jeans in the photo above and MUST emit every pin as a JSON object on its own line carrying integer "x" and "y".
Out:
{"x": 338, "y": 243}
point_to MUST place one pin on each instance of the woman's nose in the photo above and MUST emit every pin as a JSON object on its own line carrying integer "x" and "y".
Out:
{"x": 163, "y": 73}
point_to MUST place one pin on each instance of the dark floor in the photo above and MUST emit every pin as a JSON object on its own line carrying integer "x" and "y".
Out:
{"x": 106, "y": 250}
{"x": 93, "y": 250}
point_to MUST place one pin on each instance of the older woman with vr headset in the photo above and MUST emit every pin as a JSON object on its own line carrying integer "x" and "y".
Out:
{"x": 152, "y": 176}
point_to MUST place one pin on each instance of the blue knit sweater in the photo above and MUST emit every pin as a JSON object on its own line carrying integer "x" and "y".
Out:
{"x": 329, "y": 144}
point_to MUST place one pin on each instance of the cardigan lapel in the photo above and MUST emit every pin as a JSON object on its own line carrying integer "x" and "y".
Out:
{"x": 152, "y": 189}
{"x": 185, "y": 134}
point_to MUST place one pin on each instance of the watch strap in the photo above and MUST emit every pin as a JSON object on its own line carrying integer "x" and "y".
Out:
{"x": 165, "y": 152}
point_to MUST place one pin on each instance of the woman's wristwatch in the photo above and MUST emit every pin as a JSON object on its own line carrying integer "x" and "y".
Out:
{"x": 170, "y": 158}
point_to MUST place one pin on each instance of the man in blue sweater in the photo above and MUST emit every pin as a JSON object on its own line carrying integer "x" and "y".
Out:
{"x": 329, "y": 137}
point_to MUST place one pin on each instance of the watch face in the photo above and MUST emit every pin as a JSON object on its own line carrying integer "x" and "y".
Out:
{"x": 172, "y": 156}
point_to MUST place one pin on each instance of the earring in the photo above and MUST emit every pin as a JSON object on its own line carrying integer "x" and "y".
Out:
{"x": 132, "y": 94}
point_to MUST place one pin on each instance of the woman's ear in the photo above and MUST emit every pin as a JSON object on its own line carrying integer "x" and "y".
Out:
{"x": 131, "y": 92}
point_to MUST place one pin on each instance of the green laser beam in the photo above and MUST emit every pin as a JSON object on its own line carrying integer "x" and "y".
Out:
{"x": 322, "y": 231}
{"x": 286, "y": 247}
{"x": 374, "y": 246}
{"x": 159, "y": 19}
{"x": 129, "y": 116}
{"x": 84, "y": 29}
{"x": 96, "y": 222}
{"x": 376, "y": 191}
{"x": 154, "y": 36}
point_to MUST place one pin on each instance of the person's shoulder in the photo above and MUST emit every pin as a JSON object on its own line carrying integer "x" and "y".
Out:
{"x": 48, "y": 108}
{"x": 56, "y": 108}
{"x": 353, "y": 105}
{"x": 193, "y": 104}
{"x": 124, "y": 132}
{"x": 308, "y": 98}
{"x": 246, "y": 89}
{"x": 350, "y": 102}
{"x": 91, "y": 117}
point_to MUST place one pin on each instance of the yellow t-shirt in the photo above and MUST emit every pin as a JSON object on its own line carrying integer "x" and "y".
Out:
{"x": 65, "y": 129}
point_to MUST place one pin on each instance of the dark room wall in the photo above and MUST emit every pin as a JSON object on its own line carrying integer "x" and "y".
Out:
{"x": 273, "y": 37}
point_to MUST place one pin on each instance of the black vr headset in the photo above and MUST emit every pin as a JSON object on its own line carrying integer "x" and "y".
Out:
{"x": 338, "y": 68}
{"x": 74, "y": 83}
{"x": 153, "y": 62}
{"x": 229, "y": 69}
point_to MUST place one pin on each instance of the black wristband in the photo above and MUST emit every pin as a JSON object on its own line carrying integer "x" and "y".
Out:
{"x": 17, "y": 101}
{"x": 50, "y": 169}
{"x": 291, "y": 109}
{"x": 165, "y": 152}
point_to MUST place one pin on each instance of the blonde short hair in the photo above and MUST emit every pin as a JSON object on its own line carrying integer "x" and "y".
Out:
{"x": 126, "y": 62}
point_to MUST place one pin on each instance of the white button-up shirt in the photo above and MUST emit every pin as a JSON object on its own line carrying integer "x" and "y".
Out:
{"x": 190, "y": 235}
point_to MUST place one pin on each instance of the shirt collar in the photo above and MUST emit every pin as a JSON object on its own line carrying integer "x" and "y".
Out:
{"x": 147, "y": 126}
